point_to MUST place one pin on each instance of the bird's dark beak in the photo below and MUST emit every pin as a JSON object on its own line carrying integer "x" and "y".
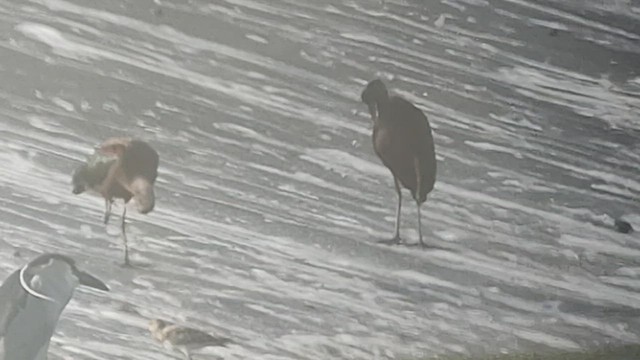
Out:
{"x": 89, "y": 280}
{"x": 373, "y": 110}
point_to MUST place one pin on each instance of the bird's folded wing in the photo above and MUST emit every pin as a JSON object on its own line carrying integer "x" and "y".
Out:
{"x": 184, "y": 336}
{"x": 12, "y": 299}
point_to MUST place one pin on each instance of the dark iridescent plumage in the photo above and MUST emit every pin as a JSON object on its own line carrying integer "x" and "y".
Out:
{"x": 402, "y": 139}
{"x": 91, "y": 174}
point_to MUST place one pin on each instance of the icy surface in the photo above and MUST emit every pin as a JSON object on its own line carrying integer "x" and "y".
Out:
{"x": 271, "y": 200}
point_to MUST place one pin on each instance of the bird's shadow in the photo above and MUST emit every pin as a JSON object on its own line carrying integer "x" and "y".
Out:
{"x": 135, "y": 265}
{"x": 401, "y": 242}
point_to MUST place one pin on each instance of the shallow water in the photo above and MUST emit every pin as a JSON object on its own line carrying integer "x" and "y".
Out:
{"x": 271, "y": 200}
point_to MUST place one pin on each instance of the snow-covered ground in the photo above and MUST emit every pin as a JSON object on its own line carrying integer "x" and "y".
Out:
{"x": 271, "y": 200}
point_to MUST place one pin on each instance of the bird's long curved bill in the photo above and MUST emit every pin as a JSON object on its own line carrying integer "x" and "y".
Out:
{"x": 25, "y": 285}
{"x": 89, "y": 280}
{"x": 373, "y": 110}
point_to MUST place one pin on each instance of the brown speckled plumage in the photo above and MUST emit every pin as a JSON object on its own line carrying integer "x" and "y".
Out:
{"x": 182, "y": 338}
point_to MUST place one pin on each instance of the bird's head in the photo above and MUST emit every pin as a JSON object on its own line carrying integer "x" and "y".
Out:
{"x": 93, "y": 172}
{"x": 374, "y": 94}
{"x": 156, "y": 326}
{"x": 79, "y": 179}
{"x": 58, "y": 276}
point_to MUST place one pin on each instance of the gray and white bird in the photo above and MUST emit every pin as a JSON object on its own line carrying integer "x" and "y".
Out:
{"x": 183, "y": 339}
{"x": 31, "y": 301}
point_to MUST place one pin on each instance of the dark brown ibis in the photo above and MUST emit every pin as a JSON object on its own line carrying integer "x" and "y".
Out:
{"x": 120, "y": 168}
{"x": 402, "y": 139}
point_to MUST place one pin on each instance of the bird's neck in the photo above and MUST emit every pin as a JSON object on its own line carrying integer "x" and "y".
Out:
{"x": 381, "y": 109}
{"x": 384, "y": 101}
{"x": 382, "y": 104}
{"x": 143, "y": 194}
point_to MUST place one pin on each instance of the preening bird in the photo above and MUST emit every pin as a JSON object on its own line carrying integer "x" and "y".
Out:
{"x": 120, "y": 168}
{"x": 402, "y": 139}
{"x": 31, "y": 301}
{"x": 183, "y": 339}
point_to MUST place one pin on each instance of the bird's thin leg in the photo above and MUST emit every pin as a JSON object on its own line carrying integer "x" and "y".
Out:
{"x": 124, "y": 236}
{"x": 107, "y": 210}
{"x": 396, "y": 235}
{"x": 416, "y": 165}
{"x": 109, "y": 181}
{"x": 419, "y": 225}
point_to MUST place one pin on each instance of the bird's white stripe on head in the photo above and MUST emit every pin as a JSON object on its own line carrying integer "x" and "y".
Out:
{"x": 375, "y": 118}
{"x": 28, "y": 289}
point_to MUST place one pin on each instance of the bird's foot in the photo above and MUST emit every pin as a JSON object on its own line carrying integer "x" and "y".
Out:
{"x": 431, "y": 246}
{"x": 420, "y": 244}
{"x": 396, "y": 240}
{"x": 107, "y": 210}
{"x": 104, "y": 192}
{"x": 137, "y": 263}
{"x": 127, "y": 263}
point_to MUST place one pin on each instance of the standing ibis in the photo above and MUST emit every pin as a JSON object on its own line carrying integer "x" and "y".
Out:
{"x": 402, "y": 139}
{"x": 120, "y": 168}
